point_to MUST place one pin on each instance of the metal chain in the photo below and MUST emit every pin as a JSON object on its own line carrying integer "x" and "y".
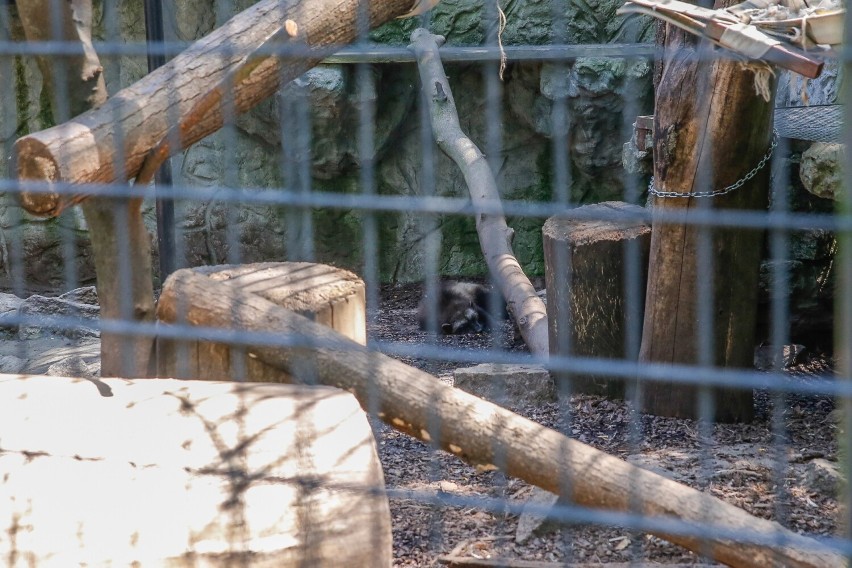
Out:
{"x": 725, "y": 190}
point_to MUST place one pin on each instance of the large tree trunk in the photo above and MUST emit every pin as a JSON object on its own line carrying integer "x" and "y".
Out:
{"x": 710, "y": 130}
{"x": 120, "y": 242}
{"x": 479, "y": 432}
{"x": 84, "y": 151}
{"x": 495, "y": 236}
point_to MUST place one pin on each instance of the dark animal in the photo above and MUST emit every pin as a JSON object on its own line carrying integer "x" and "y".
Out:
{"x": 461, "y": 307}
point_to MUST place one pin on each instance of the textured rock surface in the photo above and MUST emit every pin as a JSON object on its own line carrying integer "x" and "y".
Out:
{"x": 53, "y": 316}
{"x": 822, "y": 169}
{"x": 507, "y": 385}
{"x": 320, "y": 150}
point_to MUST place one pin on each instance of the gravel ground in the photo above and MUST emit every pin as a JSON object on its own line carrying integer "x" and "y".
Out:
{"x": 440, "y": 505}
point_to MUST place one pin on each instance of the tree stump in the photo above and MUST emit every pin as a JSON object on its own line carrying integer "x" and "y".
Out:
{"x": 158, "y": 472}
{"x": 584, "y": 268}
{"x": 324, "y": 294}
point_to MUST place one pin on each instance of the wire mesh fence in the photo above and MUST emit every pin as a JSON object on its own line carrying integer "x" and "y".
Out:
{"x": 536, "y": 361}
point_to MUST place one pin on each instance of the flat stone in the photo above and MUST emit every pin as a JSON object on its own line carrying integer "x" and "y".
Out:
{"x": 87, "y": 295}
{"x": 9, "y": 302}
{"x": 534, "y": 519}
{"x": 822, "y": 476}
{"x": 40, "y": 354}
{"x": 73, "y": 366}
{"x": 507, "y": 385}
{"x": 11, "y": 364}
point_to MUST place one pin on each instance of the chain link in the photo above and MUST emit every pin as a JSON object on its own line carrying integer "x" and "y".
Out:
{"x": 725, "y": 190}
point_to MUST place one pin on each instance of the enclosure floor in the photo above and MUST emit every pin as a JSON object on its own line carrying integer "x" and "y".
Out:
{"x": 734, "y": 463}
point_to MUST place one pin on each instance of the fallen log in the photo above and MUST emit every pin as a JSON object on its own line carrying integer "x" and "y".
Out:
{"x": 495, "y": 236}
{"x": 151, "y": 472}
{"x": 484, "y": 434}
{"x": 110, "y": 143}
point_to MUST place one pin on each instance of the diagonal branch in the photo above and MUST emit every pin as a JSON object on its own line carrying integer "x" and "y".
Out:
{"x": 495, "y": 236}
{"x": 83, "y": 150}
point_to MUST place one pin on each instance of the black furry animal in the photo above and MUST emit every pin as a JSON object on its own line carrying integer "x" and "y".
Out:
{"x": 461, "y": 307}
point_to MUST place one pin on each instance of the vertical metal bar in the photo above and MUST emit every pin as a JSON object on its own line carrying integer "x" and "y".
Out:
{"x": 843, "y": 308}
{"x": 165, "y": 208}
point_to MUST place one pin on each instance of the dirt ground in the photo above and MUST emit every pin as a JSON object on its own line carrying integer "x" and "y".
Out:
{"x": 440, "y": 505}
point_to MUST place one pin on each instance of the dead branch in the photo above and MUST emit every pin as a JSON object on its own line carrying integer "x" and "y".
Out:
{"x": 495, "y": 236}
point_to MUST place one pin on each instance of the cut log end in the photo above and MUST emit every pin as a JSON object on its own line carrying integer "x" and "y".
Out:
{"x": 34, "y": 162}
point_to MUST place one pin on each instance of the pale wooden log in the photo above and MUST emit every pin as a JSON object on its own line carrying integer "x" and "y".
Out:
{"x": 584, "y": 268}
{"x": 85, "y": 150}
{"x": 710, "y": 128}
{"x": 482, "y": 433}
{"x": 158, "y": 472}
{"x": 327, "y": 295}
{"x": 495, "y": 236}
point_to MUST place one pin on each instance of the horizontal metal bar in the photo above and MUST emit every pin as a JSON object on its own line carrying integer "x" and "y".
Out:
{"x": 695, "y": 375}
{"x": 282, "y": 197}
{"x": 346, "y": 54}
{"x": 390, "y": 54}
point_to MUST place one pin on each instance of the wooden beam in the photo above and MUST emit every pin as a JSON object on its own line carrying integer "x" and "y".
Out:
{"x": 109, "y": 144}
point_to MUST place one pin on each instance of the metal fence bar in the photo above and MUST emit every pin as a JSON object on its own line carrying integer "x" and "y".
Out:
{"x": 297, "y": 195}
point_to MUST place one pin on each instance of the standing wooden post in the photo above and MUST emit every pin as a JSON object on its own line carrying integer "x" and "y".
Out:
{"x": 584, "y": 268}
{"x": 711, "y": 129}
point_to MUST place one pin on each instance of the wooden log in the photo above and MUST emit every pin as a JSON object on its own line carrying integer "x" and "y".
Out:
{"x": 327, "y": 295}
{"x": 85, "y": 150}
{"x": 156, "y": 472}
{"x": 482, "y": 433}
{"x": 584, "y": 268}
{"x": 710, "y": 130}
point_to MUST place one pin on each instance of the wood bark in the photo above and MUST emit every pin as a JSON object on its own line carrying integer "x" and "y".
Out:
{"x": 495, "y": 236}
{"x": 482, "y": 433}
{"x": 324, "y": 294}
{"x": 710, "y": 130}
{"x": 153, "y": 472}
{"x": 584, "y": 267}
{"x": 120, "y": 242}
{"x": 86, "y": 150}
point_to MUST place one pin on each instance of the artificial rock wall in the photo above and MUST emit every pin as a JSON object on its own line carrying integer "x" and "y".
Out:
{"x": 320, "y": 113}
